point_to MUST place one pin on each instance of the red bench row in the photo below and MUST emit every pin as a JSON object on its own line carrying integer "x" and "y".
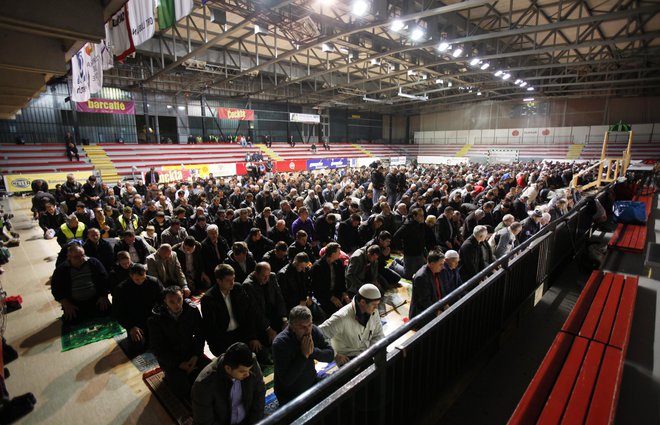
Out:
{"x": 579, "y": 379}
{"x": 632, "y": 237}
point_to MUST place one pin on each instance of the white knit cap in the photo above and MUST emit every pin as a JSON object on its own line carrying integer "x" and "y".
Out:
{"x": 369, "y": 291}
{"x": 451, "y": 254}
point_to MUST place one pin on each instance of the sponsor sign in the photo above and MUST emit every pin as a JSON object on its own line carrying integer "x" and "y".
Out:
{"x": 106, "y": 106}
{"x": 532, "y": 132}
{"x": 167, "y": 176}
{"x": 204, "y": 170}
{"x": 22, "y": 182}
{"x": 447, "y": 160}
{"x": 323, "y": 163}
{"x": 362, "y": 162}
{"x": 305, "y": 118}
{"x": 398, "y": 160}
{"x": 236, "y": 114}
{"x": 290, "y": 166}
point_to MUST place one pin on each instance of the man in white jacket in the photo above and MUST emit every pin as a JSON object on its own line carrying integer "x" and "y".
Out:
{"x": 356, "y": 326}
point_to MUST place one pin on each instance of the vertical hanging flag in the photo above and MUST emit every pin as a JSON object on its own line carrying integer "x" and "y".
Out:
{"x": 119, "y": 34}
{"x": 106, "y": 55}
{"x": 79, "y": 77}
{"x": 94, "y": 66}
{"x": 165, "y": 14}
{"x": 170, "y": 11}
{"x": 141, "y": 18}
{"x": 182, "y": 8}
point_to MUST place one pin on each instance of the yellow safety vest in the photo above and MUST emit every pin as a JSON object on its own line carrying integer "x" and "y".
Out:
{"x": 69, "y": 234}
{"x": 122, "y": 222}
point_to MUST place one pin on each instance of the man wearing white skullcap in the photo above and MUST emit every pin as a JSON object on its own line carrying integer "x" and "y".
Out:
{"x": 356, "y": 326}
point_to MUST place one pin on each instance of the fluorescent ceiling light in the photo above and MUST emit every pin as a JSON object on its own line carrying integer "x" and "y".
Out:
{"x": 457, "y": 52}
{"x": 449, "y": 84}
{"x": 169, "y": 106}
{"x": 259, "y": 30}
{"x": 474, "y": 62}
{"x": 327, "y": 47}
{"x": 523, "y": 84}
{"x": 181, "y": 108}
{"x": 478, "y": 93}
{"x": 439, "y": 81}
{"x": 528, "y": 99}
{"x": 397, "y": 25}
{"x": 485, "y": 66}
{"x": 417, "y": 34}
{"x": 530, "y": 88}
{"x": 517, "y": 82}
{"x": 424, "y": 76}
{"x": 370, "y": 99}
{"x": 498, "y": 73}
{"x": 375, "y": 61}
{"x": 360, "y": 7}
{"x": 443, "y": 46}
{"x": 412, "y": 72}
{"x": 506, "y": 76}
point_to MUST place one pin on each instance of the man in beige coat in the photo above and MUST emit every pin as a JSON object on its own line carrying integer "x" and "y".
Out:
{"x": 164, "y": 265}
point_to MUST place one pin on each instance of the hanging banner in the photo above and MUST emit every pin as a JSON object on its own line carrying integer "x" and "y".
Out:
{"x": 141, "y": 20}
{"x": 106, "y": 106}
{"x": 80, "y": 76}
{"x": 118, "y": 34}
{"x": 236, "y": 114}
{"x": 323, "y": 163}
{"x": 18, "y": 182}
{"x": 94, "y": 67}
{"x": 107, "y": 60}
{"x": 304, "y": 118}
{"x": 290, "y": 165}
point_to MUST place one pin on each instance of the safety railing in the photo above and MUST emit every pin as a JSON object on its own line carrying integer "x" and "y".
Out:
{"x": 399, "y": 385}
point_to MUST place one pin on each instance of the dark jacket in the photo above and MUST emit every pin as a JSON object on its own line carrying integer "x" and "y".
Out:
{"x": 102, "y": 252}
{"x": 60, "y": 282}
{"x": 108, "y": 222}
{"x": 132, "y": 304}
{"x": 409, "y": 238}
{"x": 140, "y": 247}
{"x": 325, "y": 232}
{"x": 472, "y": 261}
{"x": 294, "y": 374}
{"x": 241, "y": 229}
{"x": 296, "y": 287}
{"x": 348, "y": 236}
{"x": 308, "y": 249}
{"x": 211, "y": 260}
{"x": 198, "y": 263}
{"x": 320, "y": 277}
{"x": 241, "y": 275}
{"x": 360, "y": 271}
{"x": 425, "y": 292}
{"x": 276, "y": 264}
{"x": 51, "y": 221}
{"x": 444, "y": 232}
{"x": 215, "y": 318}
{"x": 175, "y": 341}
{"x": 451, "y": 279}
{"x": 197, "y": 232}
{"x": 211, "y": 395}
{"x": 529, "y": 229}
{"x": 268, "y": 306}
{"x": 276, "y": 236}
{"x": 260, "y": 222}
{"x": 260, "y": 247}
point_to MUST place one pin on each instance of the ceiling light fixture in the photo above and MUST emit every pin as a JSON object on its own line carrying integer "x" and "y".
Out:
{"x": 475, "y": 62}
{"x": 530, "y": 88}
{"x": 181, "y": 108}
{"x": 517, "y": 82}
{"x": 498, "y": 73}
{"x": 360, "y": 7}
{"x": 528, "y": 99}
{"x": 449, "y": 84}
{"x": 439, "y": 81}
{"x": 375, "y": 61}
{"x": 506, "y": 76}
{"x": 417, "y": 34}
{"x": 485, "y": 66}
{"x": 327, "y": 47}
{"x": 443, "y": 46}
{"x": 457, "y": 52}
{"x": 523, "y": 84}
{"x": 397, "y": 25}
{"x": 478, "y": 93}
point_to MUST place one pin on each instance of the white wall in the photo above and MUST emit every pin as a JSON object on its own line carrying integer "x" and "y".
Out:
{"x": 642, "y": 133}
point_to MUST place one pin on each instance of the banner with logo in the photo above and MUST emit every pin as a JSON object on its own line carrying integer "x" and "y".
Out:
{"x": 398, "y": 160}
{"x": 107, "y": 106}
{"x": 446, "y": 160}
{"x": 203, "y": 170}
{"x": 141, "y": 20}
{"x": 304, "y": 118}
{"x": 118, "y": 34}
{"x": 323, "y": 163}
{"x": 290, "y": 166}
{"x": 80, "y": 76}
{"x": 18, "y": 182}
{"x": 175, "y": 175}
{"x": 94, "y": 66}
{"x": 236, "y": 114}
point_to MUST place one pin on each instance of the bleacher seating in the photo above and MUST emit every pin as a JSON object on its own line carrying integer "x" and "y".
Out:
{"x": 640, "y": 150}
{"x": 580, "y": 377}
{"x": 632, "y": 237}
{"x": 45, "y": 158}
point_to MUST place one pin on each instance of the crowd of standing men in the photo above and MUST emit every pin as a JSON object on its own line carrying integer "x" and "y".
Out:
{"x": 293, "y": 268}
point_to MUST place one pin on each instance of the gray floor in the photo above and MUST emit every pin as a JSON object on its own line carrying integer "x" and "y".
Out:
{"x": 493, "y": 395}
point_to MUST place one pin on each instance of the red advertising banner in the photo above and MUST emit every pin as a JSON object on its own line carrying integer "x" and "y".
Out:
{"x": 236, "y": 114}
{"x": 290, "y": 165}
{"x": 167, "y": 176}
{"x": 106, "y": 106}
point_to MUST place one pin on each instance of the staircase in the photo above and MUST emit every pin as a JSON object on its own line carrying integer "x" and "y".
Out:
{"x": 269, "y": 152}
{"x": 361, "y": 149}
{"x": 464, "y": 150}
{"x": 102, "y": 163}
{"x": 575, "y": 151}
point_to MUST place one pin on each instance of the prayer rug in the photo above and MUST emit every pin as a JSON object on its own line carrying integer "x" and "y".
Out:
{"x": 88, "y": 332}
{"x": 180, "y": 411}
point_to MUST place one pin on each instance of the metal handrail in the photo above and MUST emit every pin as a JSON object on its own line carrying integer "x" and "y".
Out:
{"x": 377, "y": 353}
